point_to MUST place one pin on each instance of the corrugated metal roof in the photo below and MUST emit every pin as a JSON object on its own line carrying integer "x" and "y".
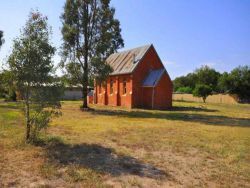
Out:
{"x": 153, "y": 77}
{"x": 126, "y": 61}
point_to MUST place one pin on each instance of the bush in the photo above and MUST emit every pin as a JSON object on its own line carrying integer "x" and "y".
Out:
{"x": 237, "y": 82}
{"x": 203, "y": 91}
{"x": 11, "y": 96}
{"x": 185, "y": 90}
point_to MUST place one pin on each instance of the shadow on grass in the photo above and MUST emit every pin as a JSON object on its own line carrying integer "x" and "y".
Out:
{"x": 10, "y": 105}
{"x": 98, "y": 158}
{"x": 194, "y": 109}
{"x": 178, "y": 114}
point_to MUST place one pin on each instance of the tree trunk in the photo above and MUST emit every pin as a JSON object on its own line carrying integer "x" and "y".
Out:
{"x": 85, "y": 85}
{"x": 204, "y": 99}
{"x": 86, "y": 56}
{"x": 27, "y": 118}
{"x": 85, "y": 94}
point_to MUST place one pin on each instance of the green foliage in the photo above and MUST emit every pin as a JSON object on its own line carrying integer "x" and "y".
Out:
{"x": 204, "y": 75}
{"x": 203, "y": 91}
{"x": 223, "y": 83}
{"x": 32, "y": 71}
{"x": 207, "y": 76}
{"x": 1, "y": 38}
{"x": 185, "y": 81}
{"x": 11, "y": 96}
{"x": 90, "y": 34}
{"x": 7, "y": 88}
{"x": 237, "y": 82}
{"x": 3, "y": 90}
{"x": 40, "y": 120}
{"x": 74, "y": 74}
{"x": 185, "y": 90}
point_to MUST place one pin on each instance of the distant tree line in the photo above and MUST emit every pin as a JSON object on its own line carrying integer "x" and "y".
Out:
{"x": 206, "y": 81}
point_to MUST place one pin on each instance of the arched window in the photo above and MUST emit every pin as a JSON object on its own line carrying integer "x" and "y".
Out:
{"x": 100, "y": 88}
{"x": 124, "y": 88}
{"x": 111, "y": 86}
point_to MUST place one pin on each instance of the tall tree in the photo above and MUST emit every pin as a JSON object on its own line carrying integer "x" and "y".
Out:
{"x": 207, "y": 76}
{"x": 1, "y": 38}
{"x": 32, "y": 69}
{"x": 237, "y": 82}
{"x": 90, "y": 34}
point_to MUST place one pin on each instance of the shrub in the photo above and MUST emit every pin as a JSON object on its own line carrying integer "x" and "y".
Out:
{"x": 237, "y": 82}
{"x": 203, "y": 91}
{"x": 184, "y": 90}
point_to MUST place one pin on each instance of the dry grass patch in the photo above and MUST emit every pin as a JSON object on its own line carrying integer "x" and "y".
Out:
{"x": 192, "y": 145}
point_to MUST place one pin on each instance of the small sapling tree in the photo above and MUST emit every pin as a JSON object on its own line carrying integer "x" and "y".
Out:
{"x": 32, "y": 71}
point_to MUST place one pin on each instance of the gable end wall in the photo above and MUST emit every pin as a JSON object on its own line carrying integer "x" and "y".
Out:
{"x": 149, "y": 62}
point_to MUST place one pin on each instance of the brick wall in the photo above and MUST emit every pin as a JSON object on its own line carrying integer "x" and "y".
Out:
{"x": 163, "y": 93}
{"x": 117, "y": 97}
{"x": 137, "y": 96}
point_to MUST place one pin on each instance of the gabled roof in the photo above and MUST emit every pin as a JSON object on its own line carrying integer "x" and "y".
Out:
{"x": 125, "y": 62}
{"x": 153, "y": 77}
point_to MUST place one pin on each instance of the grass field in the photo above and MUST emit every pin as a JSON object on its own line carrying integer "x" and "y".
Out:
{"x": 192, "y": 145}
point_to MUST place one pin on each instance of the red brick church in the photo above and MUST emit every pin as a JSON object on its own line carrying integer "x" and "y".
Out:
{"x": 138, "y": 80}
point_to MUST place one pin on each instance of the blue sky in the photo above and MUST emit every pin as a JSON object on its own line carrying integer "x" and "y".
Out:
{"x": 186, "y": 34}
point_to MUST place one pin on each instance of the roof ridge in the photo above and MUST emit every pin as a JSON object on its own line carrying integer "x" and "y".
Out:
{"x": 125, "y": 62}
{"x": 125, "y": 51}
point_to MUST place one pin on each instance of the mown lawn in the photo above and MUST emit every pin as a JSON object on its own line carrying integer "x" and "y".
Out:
{"x": 192, "y": 145}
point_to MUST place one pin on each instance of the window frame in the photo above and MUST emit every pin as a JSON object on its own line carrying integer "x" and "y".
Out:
{"x": 111, "y": 87}
{"x": 124, "y": 87}
{"x": 100, "y": 88}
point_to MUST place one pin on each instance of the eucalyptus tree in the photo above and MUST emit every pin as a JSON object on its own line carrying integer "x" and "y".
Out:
{"x": 1, "y": 38}
{"x": 90, "y": 34}
{"x": 32, "y": 71}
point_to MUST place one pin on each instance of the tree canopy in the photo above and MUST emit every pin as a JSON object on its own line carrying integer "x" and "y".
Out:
{"x": 237, "y": 82}
{"x": 90, "y": 34}
{"x": 1, "y": 38}
{"x": 185, "y": 81}
{"x": 202, "y": 90}
{"x": 207, "y": 76}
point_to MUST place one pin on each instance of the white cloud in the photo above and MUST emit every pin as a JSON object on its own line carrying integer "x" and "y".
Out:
{"x": 168, "y": 63}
